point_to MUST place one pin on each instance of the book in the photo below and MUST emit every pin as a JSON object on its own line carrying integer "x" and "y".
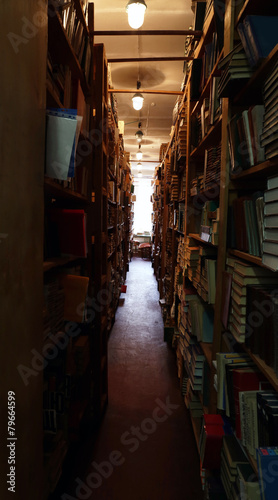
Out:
{"x": 245, "y": 379}
{"x": 248, "y": 484}
{"x": 246, "y": 44}
{"x": 222, "y": 359}
{"x": 262, "y": 34}
{"x": 267, "y": 460}
{"x": 62, "y": 132}
{"x": 68, "y": 228}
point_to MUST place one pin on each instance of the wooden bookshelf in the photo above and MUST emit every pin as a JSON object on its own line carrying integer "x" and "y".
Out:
{"x": 213, "y": 135}
{"x": 252, "y": 90}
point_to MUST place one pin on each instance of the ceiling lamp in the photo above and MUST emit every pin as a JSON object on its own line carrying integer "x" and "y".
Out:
{"x": 137, "y": 99}
{"x": 139, "y": 154}
{"x": 140, "y": 173}
{"x": 136, "y": 10}
{"x": 139, "y": 134}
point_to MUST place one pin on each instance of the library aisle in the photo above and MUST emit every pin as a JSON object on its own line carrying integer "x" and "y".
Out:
{"x": 145, "y": 447}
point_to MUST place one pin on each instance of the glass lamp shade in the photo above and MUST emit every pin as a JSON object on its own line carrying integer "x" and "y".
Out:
{"x": 139, "y": 135}
{"x": 136, "y": 12}
{"x": 139, "y": 155}
{"x": 139, "y": 173}
{"x": 137, "y": 101}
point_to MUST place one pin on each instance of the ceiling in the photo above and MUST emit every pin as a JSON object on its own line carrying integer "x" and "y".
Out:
{"x": 157, "y": 111}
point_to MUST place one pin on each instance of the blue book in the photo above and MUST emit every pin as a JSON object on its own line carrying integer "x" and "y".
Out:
{"x": 267, "y": 459}
{"x": 262, "y": 33}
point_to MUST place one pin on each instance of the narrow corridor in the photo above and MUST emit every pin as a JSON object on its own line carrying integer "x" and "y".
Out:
{"x": 145, "y": 448}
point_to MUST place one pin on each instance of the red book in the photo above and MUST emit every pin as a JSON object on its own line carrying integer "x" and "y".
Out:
{"x": 211, "y": 441}
{"x": 71, "y": 229}
{"x": 246, "y": 379}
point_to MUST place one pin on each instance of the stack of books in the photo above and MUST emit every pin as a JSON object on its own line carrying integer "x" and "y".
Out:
{"x": 191, "y": 261}
{"x": 247, "y": 215}
{"x": 181, "y": 252}
{"x": 174, "y": 188}
{"x": 197, "y": 185}
{"x": 270, "y": 222}
{"x": 236, "y": 72}
{"x": 192, "y": 401}
{"x": 243, "y": 275}
{"x": 182, "y": 135}
{"x": 262, "y": 304}
{"x": 267, "y": 415}
{"x": 195, "y": 367}
{"x": 244, "y": 138}
{"x": 212, "y": 166}
{"x": 269, "y": 138}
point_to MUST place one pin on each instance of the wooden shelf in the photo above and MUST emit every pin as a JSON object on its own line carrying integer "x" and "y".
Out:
{"x": 53, "y": 94}
{"x": 61, "y": 50}
{"x": 268, "y": 372}
{"x": 247, "y": 256}
{"x": 207, "y": 32}
{"x": 257, "y": 7}
{"x": 207, "y": 350}
{"x": 198, "y": 238}
{"x": 206, "y": 90}
{"x": 56, "y": 190}
{"x": 59, "y": 262}
{"x": 196, "y": 426}
{"x": 253, "y": 88}
{"x": 264, "y": 169}
{"x": 212, "y": 137}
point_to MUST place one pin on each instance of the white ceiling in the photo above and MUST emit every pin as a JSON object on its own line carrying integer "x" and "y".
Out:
{"x": 156, "y": 114}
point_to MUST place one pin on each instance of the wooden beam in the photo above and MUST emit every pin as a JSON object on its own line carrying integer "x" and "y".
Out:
{"x": 129, "y": 91}
{"x": 149, "y": 59}
{"x": 195, "y": 34}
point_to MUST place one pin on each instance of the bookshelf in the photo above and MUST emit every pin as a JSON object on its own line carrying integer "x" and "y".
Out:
{"x": 82, "y": 282}
{"x": 218, "y": 188}
{"x": 69, "y": 387}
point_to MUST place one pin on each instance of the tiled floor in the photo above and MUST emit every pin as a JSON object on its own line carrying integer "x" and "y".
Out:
{"x": 145, "y": 448}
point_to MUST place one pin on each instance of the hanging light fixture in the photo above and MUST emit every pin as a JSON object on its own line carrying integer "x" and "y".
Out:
{"x": 139, "y": 154}
{"x": 137, "y": 99}
{"x": 139, "y": 134}
{"x": 136, "y": 10}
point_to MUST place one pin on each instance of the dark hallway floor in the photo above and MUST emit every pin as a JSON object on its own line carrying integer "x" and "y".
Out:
{"x": 145, "y": 448}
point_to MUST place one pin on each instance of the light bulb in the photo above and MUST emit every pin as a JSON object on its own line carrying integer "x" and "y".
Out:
{"x": 137, "y": 101}
{"x": 139, "y": 154}
{"x": 136, "y": 11}
{"x": 139, "y": 136}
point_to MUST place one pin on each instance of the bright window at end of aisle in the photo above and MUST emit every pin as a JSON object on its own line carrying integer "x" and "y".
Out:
{"x": 142, "y": 206}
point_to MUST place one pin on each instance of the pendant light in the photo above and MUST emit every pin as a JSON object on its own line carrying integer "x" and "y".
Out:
{"x": 136, "y": 10}
{"x": 139, "y": 134}
{"x": 137, "y": 99}
{"x": 139, "y": 154}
